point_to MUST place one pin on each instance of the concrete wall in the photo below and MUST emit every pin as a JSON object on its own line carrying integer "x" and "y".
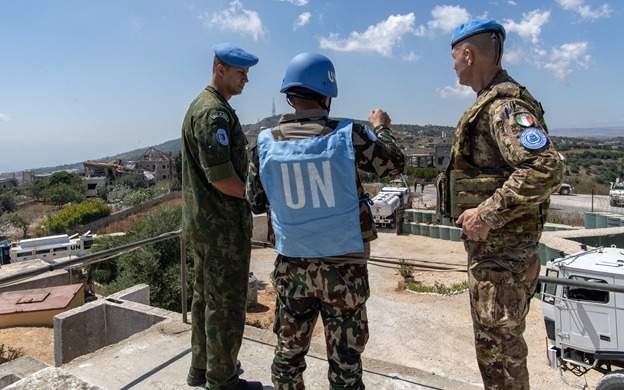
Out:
{"x": 138, "y": 294}
{"x": 119, "y": 215}
{"x": 48, "y": 279}
{"x": 101, "y": 323}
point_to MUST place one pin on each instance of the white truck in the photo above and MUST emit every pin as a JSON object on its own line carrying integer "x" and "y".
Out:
{"x": 387, "y": 205}
{"x": 50, "y": 247}
{"x": 584, "y": 323}
{"x": 616, "y": 194}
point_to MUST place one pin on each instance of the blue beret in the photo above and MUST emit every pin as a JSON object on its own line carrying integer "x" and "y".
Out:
{"x": 234, "y": 55}
{"x": 475, "y": 27}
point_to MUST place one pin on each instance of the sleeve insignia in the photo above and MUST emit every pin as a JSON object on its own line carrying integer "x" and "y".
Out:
{"x": 219, "y": 114}
{"x": 524, "y": 119}
{"x": 222, "y": 137}
{"x": 533, "y": 138}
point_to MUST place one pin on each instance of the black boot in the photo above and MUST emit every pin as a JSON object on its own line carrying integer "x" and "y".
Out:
{"x": 196, "y": 377}
{"x": 245, "y": 385}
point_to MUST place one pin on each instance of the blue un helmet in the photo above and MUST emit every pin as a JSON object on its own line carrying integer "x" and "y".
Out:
{"x": 311, "y": 71}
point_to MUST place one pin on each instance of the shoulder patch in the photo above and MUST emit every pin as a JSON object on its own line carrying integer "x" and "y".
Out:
{"x": 533, "y": 138}
{"x": 524, "y": 119}
{"x": 219, "y": 114}
{"x": 222, "y": 137}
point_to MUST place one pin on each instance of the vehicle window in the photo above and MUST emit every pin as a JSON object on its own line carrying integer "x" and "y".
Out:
{"x": 550, "y": 289}
{"x": 586, "y": 294}
{"x": 618, "y": 186}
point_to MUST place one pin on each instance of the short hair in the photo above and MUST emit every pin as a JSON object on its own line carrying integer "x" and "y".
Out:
{"x": 487, "y": 44}
{"x": 216, "y": 62}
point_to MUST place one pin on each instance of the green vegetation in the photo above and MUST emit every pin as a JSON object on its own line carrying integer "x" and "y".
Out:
{"x": 60, "y": 188}
{"x": 438, "y": 288}
{"x": 8, "y": 202}
{"x": 157, "y": 265}
{"x": 7, "y": 353}
{"x": 75, "y": 214}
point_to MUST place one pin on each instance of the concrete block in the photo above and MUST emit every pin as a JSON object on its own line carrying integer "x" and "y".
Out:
{"x": 98, "y": 324}
{"x": 139, "y": 294}
{"x": 415, "y": 228}
{"x": 13, "y": 371}
{"x": 445, "y": 233}
{"x": 455, "y": 233}
{"x": 424, "y": 229}
{"x": 590, "y": 220}
{"x": 434, "y": 231}
{"x": 52, "y": 378}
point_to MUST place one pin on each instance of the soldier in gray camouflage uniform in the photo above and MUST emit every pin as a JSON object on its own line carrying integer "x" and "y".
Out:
{"x": 334, "y": 287}
{"x": 503, "y": 169}
{"x": 217, "y": 220}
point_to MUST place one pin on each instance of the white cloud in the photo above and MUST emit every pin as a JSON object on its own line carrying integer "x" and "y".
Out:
{"x": 302, "y": 20}
{"x": 585, "y": 11}
{"x": 299, "y": 3}
{"x": 444, "y": 18}
{"x": 530, "y": 26}
{"x": 235, "y": 18}
{"x": 4, "y": 117}
{"x": 512, "y": 2}
{"x": 410, "y": 57}
{"x": 513, "y": 56}
{"x": 562, "y": 59}
{"x": 380, "y": 38}
{"x": 457, "y": 90}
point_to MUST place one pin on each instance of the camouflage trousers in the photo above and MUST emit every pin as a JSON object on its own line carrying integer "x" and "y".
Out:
{"x": 502, "y": 277}
{"x": 339, "y": 293}
{"x": 218, "y": 311}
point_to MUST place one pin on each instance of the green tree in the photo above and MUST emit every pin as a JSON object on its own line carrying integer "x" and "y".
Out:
{"x": 60, "y": 194}
{"x": 8, "y": 202}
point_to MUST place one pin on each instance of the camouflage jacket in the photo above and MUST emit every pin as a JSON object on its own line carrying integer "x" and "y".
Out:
{"x": 380, "y": 156}
{"x": 492, "y": 140}
{"x": 214, "y": 148}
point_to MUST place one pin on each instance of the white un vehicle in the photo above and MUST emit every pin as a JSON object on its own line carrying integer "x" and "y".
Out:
{"x": 616, "y": 194}
{"x": 585, "y": 325}
{"x": 388, "y": 204}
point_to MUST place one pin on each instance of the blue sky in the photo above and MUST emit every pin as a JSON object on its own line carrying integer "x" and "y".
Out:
{"x": 86, "y": 79}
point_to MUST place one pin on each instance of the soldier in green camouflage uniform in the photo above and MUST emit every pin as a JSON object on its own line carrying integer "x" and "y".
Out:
{"x": 503, "y": 169}
{"x": 334, "y": 287}
{"x": 217, "y": 219}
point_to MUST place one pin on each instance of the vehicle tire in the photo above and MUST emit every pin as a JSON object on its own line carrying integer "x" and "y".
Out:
{"x": 612, "y": 203}
{"x": 612, "y": 381}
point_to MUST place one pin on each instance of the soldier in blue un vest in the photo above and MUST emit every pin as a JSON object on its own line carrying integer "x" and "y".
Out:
{"x": 304, "y": 173}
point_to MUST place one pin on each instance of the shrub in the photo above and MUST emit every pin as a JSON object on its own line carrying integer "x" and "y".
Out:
{"x": 76, "y": 214}
{"x": 7, "y": 353}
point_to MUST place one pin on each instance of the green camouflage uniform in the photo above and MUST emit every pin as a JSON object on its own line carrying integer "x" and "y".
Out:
{"x": 337, "y": 288}
{"x": 503, "y": 270}
{"x": 214, "y": 148}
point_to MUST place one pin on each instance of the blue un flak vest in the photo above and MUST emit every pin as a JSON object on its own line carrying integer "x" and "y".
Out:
{"x": 311, "y": 187}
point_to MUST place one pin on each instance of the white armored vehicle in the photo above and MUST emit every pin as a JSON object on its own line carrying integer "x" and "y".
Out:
{"x": 616, "y": 193}
{"x": 585, "y": 322}
{"x": 387, "y": 205}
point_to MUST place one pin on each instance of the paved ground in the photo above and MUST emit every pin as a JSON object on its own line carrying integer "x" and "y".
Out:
{"x": 430, "y": 332}
{"x": 159, "y": 359}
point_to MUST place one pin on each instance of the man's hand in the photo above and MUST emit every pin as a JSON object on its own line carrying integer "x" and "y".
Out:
{"x": 473, "y": 226}
{"x": 379, "y": 117}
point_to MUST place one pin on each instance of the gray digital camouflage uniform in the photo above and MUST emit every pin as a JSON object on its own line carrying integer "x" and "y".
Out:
{"x": 214, "y": 147}
{"x": 503, "y": 270}
{"x": 335, "y": 288}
